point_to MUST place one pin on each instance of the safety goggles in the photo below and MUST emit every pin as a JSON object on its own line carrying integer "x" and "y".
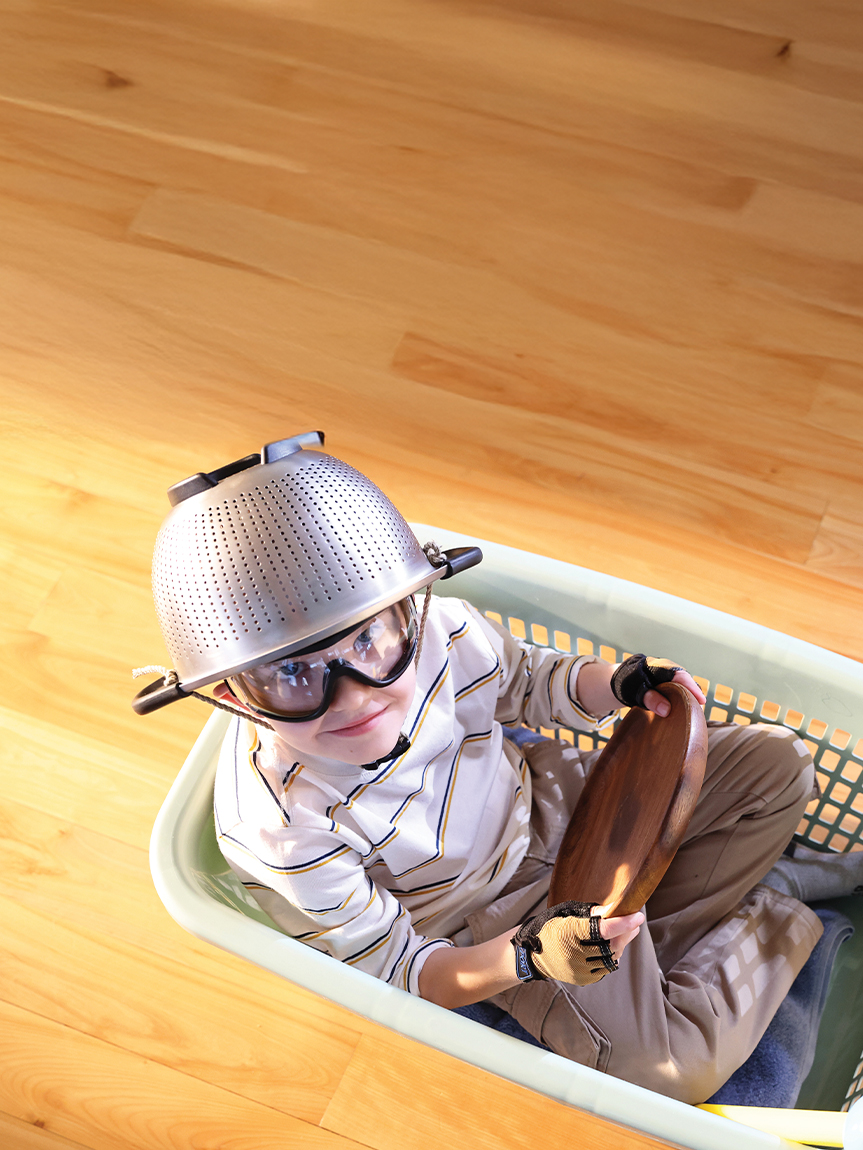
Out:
{"x": 300, "y": 686}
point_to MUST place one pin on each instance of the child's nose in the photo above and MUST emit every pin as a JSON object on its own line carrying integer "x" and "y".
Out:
{"x": 350, "y": 695}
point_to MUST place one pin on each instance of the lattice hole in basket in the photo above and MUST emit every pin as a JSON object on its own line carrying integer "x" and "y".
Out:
{"x": 828, "y": 813}
{"x": 793, "y": 719}
{"x": 562, "y": 641}
{"x": 851, "y": 772}
{"x": 829, "y": 761}
{"x": 746, "y": 702}
{"x": 770, "y": 711}
{"x": 539, "y": 634}
{"x": 856, "y": 1087}
{"x": 516, "y": 628}
{"x": 817, "y": 729}
{"x": 584, "y": 646}
{"x": 858, "y": 749}
{"x": 494, "y": 616}
{"x": 717, "y": 715}
{"x": 607, "y": 653}
{"x": 723, "y": 694}
{"x": 840, "y": 739}
{"x": 839, "y": 792}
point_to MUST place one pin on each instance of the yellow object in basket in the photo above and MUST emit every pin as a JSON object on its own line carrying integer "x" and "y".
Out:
{"x": 812, "y": 1127}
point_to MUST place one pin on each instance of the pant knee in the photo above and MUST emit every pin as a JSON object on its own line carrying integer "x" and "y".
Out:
{"x": 767, "y": 761}
{"x": 691, "y": 1080}
{"x": 789, "y": 762}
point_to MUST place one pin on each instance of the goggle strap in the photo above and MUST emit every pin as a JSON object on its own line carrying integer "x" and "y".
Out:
{"x": 231, "y": 710}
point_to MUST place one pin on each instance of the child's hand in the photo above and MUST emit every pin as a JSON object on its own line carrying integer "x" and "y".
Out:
{"x": 571, "y": 943}
{"x": 619, "y": 932}
{"x": 633, "y": 683}
{"x": 653, "y": 701}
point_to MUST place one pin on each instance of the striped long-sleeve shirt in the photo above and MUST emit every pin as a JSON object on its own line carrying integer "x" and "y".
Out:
{"x": 377, "y": 868}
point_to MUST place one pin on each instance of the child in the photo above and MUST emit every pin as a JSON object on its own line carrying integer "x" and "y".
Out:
{"x": 377, "y": 810}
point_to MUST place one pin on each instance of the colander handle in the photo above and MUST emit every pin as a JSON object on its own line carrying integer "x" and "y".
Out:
{"x": 157, "y": 694}
{"x": 459, "y": 559}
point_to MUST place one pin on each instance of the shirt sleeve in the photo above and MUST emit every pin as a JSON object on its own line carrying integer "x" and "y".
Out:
{"x": 313, "y": 885}
{"x": 538, "y": 684}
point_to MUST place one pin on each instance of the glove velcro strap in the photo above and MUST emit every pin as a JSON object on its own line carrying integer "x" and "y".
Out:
{"x": 639, "y": 674}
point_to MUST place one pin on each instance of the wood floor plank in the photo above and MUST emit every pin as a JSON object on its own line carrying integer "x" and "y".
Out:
{"x": 61, "y": 524}
{"x": 95, "y": 984}
{"x": 61, "y": 872}
{"x": 131, "y": 784}
{"x": 762, "y": 589}
{"x": 18, "y": 1135}
{"x": 27, "y": 581}
{"x": 96, "y": 1094}
{"x": 343, "y": 44}
{"x": 135, "y": 284}
{"x": 837, "y": 548}
{"x": 442, "y": 1108}
{"x": 836, "y": 25}
{"x": 838, "y": 403}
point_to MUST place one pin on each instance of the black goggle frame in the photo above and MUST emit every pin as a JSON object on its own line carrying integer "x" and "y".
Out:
{"x": 336, "y": 669}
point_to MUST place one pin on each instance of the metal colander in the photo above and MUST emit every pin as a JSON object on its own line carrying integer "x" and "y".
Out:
{"x": 270, "y": 554}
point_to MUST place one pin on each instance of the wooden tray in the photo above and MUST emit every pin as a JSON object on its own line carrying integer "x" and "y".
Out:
{"x": 635, "y": 807}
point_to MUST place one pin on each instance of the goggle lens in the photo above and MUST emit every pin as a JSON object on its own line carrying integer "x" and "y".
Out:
{"x": 299, "y": 687}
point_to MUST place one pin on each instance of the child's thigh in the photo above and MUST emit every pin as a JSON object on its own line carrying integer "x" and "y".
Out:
{"x": 757, "y": 783}
{"x": 751, "y": 769}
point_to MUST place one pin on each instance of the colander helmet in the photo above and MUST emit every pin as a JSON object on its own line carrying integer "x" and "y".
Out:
{"x": 274, "y": 554}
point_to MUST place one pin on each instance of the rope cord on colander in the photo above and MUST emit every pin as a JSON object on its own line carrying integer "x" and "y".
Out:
{"x": 437, "y": 559}
{"x": 171, "y": 677}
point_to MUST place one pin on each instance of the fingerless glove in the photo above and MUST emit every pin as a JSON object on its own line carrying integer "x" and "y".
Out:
{"x": 563, "y": 943}
{"x": 639, "y": 674}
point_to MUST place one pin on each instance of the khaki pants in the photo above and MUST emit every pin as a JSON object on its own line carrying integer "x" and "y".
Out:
{"x": 697, "y": 988}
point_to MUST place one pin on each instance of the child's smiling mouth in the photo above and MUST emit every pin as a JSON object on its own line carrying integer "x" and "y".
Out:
{"x": 360, "y": 726}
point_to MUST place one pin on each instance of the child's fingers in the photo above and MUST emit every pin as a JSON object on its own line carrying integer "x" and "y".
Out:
{"x": 658, "y": 703}
{"x": 612, "y": 928}
{"x": 687, "y": 681}
{"x": 619, "y": 932}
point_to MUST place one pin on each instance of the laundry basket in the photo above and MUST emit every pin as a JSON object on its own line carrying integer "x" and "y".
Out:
{"x": 749, "y": 673}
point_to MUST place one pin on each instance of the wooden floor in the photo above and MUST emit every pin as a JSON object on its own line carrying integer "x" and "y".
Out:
{"x": 581, "y": 276}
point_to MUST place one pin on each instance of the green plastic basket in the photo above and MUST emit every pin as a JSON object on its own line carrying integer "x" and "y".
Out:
{"x": 749, "y": 673}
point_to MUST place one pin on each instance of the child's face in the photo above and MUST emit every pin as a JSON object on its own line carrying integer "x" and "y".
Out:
{"x": 361, "y": 724}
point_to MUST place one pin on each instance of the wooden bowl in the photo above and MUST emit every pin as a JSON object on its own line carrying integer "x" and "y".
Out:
{"x": 635, "y": 807}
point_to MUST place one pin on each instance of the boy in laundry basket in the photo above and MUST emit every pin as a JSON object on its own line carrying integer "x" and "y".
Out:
{"x": 369, "y": 797}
